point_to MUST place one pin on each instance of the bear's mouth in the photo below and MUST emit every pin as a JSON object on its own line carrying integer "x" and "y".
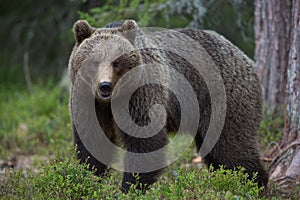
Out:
{"x": 104, "y": 96}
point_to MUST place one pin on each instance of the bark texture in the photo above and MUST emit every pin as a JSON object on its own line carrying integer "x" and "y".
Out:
{"x": 272, "y": 27}
{"x": 285, "y": 167}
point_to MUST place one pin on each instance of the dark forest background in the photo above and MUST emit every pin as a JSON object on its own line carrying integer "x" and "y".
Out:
{"x": 43, "y": 30}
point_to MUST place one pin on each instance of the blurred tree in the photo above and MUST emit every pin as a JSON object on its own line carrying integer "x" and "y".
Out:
{"x": 232, "y": 18}
{"x": 39, "y": 29}
{"x": 272, "y": 28}
{"x": 282, "y": 19}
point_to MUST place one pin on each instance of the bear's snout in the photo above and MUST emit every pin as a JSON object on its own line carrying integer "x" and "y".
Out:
{"x": 105, "y": 90}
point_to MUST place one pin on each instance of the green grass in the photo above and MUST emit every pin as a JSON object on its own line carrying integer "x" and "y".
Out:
{"x": 271, "y": 128}
{"x": 35, "y": 121}
{"x": 38, "y": 123}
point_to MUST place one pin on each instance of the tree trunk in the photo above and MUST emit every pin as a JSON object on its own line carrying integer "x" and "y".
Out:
{"x": 272, "y": 28}
{"x": 285, "y": 167}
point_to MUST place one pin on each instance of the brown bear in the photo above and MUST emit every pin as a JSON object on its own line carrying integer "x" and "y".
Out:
{"x": 113, "y": 52}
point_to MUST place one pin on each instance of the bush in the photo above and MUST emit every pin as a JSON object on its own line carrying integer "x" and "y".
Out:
{"x": 67, "y": 179}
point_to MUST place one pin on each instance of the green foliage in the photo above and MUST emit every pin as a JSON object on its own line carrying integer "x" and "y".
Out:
{"x": 57, "y": 179}
{"x": 69, "y": 180}
{"x": 28, "y": 119}
{"x": 271, "y": 128}
{"x": 142, "y": 11}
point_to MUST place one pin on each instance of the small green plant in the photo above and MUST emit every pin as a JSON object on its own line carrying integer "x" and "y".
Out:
{"x": 67, "y": 179}
{"x": 271, "y": 128}
{"x": 57, "y": 179}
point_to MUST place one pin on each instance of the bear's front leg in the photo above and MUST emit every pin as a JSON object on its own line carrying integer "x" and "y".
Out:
{"x": 84, "y": 156}
{"x": 144, "y": 179}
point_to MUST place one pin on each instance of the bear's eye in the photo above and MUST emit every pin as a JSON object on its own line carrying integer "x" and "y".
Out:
{"x": 119, "y": 62}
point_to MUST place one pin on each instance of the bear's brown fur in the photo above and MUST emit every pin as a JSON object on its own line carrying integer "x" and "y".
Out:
{"x": 237, "y": 143}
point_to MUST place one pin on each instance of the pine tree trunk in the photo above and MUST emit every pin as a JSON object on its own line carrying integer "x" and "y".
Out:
{"x": 285, "y": 168}
{"x": 272, "y": 27}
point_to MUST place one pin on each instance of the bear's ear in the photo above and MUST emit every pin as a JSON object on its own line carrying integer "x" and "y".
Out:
{"x": 128, "y": 30}
{"x": 82, "y": 30}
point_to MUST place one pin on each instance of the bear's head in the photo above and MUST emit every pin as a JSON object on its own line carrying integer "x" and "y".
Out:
{"x": 105, "y": 54}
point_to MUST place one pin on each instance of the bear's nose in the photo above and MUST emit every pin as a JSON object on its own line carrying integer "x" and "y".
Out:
{"x": 105, "y": 89}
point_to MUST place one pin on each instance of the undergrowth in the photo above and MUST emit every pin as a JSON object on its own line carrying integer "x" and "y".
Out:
{"x": 66, "y": 179}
